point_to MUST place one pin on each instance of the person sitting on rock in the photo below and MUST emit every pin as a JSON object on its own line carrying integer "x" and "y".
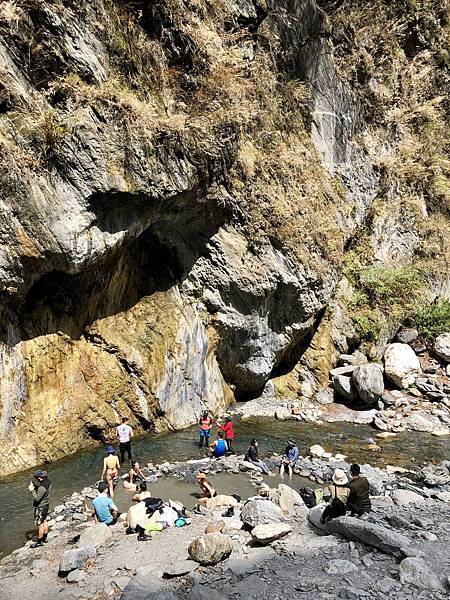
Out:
{"x": 134, "y": 474}
{"x": 219, "y": 447}
{"x": 206, "y": 488}
{"x": 252, "y": 456}
{"x": 143, "y": 493}
{"x": 339, "y": 492}
{"x": 289, "y": 459}
{"x": 228, "y": 430}
{"x": 105, "y": 509}
{"x": 358, "y": 501}
{"x": 111, "y": 468}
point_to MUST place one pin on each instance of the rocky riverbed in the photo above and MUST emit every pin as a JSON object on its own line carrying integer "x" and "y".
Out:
{"x": 270, "y": 548}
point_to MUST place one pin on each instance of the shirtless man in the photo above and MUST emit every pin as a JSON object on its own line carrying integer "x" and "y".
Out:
{"x": 111, "y": 468}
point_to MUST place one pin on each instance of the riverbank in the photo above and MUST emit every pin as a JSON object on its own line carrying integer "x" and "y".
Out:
{"x": 407, "y": 449}
{"x": 411, "y": 509}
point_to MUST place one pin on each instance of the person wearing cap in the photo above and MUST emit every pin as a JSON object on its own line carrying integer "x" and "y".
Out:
{"x": 39, "y": 487}
{"x": 105, "y": 509}
{"x": 206, "y": 488}
{"x": 358, "y": 501}
{"x": 289, "y": 459}
{"x": 339, "y": 493}
{"x": 111, "y": 466}
{"x": 228, "y": 431}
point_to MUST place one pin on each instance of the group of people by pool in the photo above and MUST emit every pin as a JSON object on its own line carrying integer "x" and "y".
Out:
{"x": 343, "y": 494}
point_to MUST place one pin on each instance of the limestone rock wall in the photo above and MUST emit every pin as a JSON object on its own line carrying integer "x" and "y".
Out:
{"x": 180, "y": 184}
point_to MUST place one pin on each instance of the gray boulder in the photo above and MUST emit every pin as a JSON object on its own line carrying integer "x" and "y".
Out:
{"x": 75, "y": 558}
{"x": 261, "y": 512}
{"x": 371, "y": 534}
{"x": 95, "y": 535}
{"x": 75, "y": 576}
{"x": 357, "y": 358}
{"x": 406, "y": 497}
{"x": 406, "y": 335}
{"x": 415, "y": 571}
{"x": 401, "y": 364}
{"x": 344, "y": 387}
{"x": 211, "y": 548}
{"x": 442, "y": 347}
{"x": 179, "y": 568}
{"x": 324, "y": 396}
{"x": 368, "y": 382}
{"x": 338, "y": 566}
{"x": 265, "y": 534}
{"x": 314, "y": 516}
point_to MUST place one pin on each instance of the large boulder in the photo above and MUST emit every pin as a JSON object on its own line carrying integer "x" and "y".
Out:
{"x": 287, "y": 498}
{"x": 96, "y": 535}
{"x": 368, "y": 382}
{"x": 406, "y": 497}
{"x": 422, "y": 422}
{"x": 265, "y": 534}
{"x": 371, "y": 534}
{"x": 442, "y": 347}
{"x": 315, "y": 514}
{"x": 75, "y": 558}
{"x": 261, "y": 512}
{"x": 211, "y": 548}
{"x": 415, "y": 571}
{"x": 344, "y": 387}
{"x": 401, "y": 364}
{"x": 406, "y": 335}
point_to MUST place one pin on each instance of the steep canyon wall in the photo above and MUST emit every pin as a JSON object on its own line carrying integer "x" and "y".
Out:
{"x": 181, "y": 187}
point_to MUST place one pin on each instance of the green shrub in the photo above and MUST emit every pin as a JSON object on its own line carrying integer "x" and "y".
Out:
{"x": 433, "y": 320}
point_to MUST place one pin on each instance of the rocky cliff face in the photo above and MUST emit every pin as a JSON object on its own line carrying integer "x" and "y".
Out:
{"x": 182, "y": 184}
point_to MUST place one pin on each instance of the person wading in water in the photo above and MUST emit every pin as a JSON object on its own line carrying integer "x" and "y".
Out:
{"x": 205, "y": 429}
{"x": 40, "y": 489}
{"x": 111, "y": 466}
{"x": 228, "y": 430}
{"x": 124, "y": 433}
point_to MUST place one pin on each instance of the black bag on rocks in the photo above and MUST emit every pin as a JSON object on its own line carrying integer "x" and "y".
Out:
{"x": 308, "y": 496}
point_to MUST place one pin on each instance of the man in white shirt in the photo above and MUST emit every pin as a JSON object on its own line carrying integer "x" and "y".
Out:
{"x": 125, "y": 432}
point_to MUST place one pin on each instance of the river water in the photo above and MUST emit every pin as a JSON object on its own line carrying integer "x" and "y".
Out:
{"x": 75, "y": 472}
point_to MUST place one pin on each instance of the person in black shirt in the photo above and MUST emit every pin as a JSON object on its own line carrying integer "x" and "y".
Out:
{"x": 252, "y": 456}
{"x": 358, "y": 501}
{"x": 40, "y": 489}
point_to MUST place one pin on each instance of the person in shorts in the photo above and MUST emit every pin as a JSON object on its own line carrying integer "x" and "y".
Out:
{"x": 39, "y": 487}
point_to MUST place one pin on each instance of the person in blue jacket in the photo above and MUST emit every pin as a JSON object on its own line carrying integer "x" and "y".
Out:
{"x": 219, "y": 447}
{"x": 289, "y": 459}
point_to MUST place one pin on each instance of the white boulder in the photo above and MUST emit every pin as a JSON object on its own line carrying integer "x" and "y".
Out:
{"x": 401, "y": 364}
{"x": 442, "y": 347}
{"x": 265, "y": 534}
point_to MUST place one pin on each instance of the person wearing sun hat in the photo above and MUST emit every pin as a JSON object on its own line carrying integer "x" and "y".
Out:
{"x": 339, "y": 493}
{"x": 207, "y": 490}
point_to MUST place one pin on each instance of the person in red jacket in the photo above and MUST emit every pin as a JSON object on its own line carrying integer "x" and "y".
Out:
{"x": 228, "y": 430}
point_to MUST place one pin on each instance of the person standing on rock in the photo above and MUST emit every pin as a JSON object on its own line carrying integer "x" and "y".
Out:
{"x": 289, "y": 459}
{"x": 358, "y": 501}
{"x": 205, "y": 423}
{"x": 228, "y": 430}
{"x": 124, "y": 433}
{"x": 40, "y": 490}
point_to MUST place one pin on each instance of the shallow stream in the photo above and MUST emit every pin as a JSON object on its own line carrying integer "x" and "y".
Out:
{"x": 74, "y": 473}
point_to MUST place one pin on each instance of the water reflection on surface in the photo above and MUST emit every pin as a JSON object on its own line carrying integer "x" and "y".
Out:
{"x": 74, "y": 473}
